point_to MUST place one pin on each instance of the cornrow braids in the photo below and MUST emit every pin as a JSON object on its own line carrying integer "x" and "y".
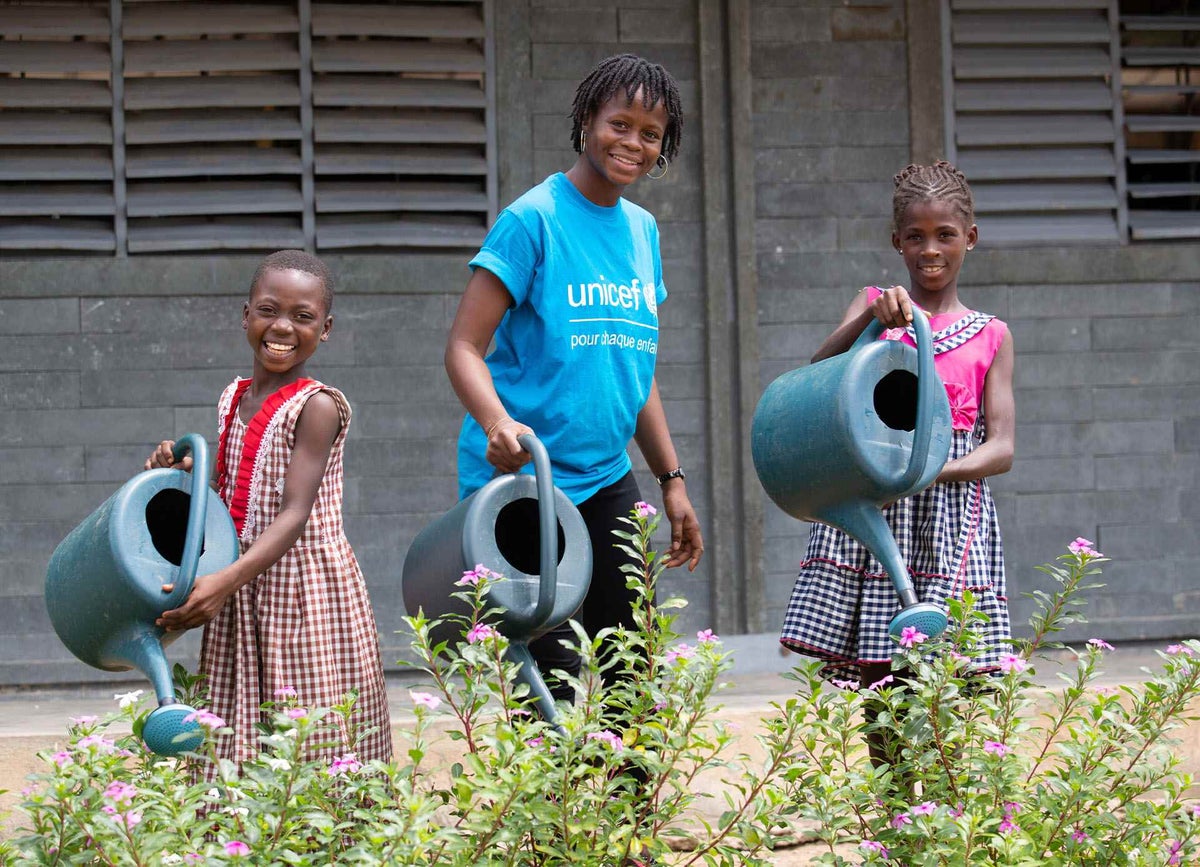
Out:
{"x": 629, "y": 72}
{"x": 297, "y": 260}
{"x": 940, "y": 182}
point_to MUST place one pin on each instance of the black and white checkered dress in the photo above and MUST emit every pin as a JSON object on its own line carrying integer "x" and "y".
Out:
{"x": 844, "y": 600}
{"x": 948, "y": 535}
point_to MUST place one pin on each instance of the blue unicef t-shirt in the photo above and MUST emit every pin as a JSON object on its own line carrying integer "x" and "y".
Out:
{"x": 574, "y": 355}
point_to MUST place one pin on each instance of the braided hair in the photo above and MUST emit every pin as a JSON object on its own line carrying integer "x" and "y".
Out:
{"x": 629, "y": 72}
{"x": 939, "y": 182}
{"x": 297, "y": 260}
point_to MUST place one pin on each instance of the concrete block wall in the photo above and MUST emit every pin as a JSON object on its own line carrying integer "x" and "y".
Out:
{"x": 830, "y": 101}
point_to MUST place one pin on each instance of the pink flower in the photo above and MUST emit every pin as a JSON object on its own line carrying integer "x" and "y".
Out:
{"x": 296, "y": 712}
{"x": 347, "y": 764}
{"x": 1011, "y": 807}
{"x": 535, "y": 742}
{"x": 1196, "y": 811}
{"x": 910, "y": 636}
{"x": 1008, "y": 825}
{"x": 120, "y": 792}
{"x": 86, "y": 720}
{"x": 1100, "y": 643}
{"x": 1084, "y": 548}
{"x": 706, "y": 636}
{"x": 683, "y": 651}
{"x": 644, "y": 509}
{"x": 883, "y": 681}
{"x": 958, "y": 658}
{"x": 996, "y": 748}
{"x": 62, "y": 758}
{"x": 127, "y": 819}
{"x": 873, "y": 846}
{"x": 193, "y": 858}
{"x": 901, "y": 819}
{"x": 1011, "y": 662}
{"x": 425, "y": 699}
{"x": 473, "y": 576}
{"x": 102, "y": 744}
{"x": 208, "y": 719}
{"x": 284, "y": 693}
{"x": 236, "y": 848}
{"x": 1175, "y": 854}
{"x": 926, "y": 809}
{"x": 843, "y": 684}
{"x": 480, "y": 632}
{"x": 1177, "y": 649}
{"x": 1078, "y": 836}
{"x": 613, "y": 740}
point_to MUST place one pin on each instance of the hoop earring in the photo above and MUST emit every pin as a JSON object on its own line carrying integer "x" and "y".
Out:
{"x": 582, "y": 139}
{"x": 662, "y": 163}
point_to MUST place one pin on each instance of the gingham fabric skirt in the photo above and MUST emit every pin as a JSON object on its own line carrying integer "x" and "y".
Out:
{"x": 843, "y": 599}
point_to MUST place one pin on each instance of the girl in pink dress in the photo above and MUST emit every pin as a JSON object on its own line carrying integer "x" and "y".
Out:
{"x": 291, "y": 617}
{"x": 948, "y": 535}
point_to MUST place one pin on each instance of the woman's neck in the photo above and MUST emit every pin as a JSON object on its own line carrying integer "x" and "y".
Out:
{"x": 937, "y": 303}
{"x": 592, "y": 185}
{"x": 266, "y": 382}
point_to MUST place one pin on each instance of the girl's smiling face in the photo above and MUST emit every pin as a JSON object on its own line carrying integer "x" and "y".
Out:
{"x": 285, "y": 319}
{"x": 933, "y": 240}
{"x": 624, "y": 138}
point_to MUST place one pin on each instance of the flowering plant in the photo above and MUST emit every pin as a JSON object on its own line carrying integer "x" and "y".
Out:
{"x": 993, "y": 769}
{"x": 607, "y": 786}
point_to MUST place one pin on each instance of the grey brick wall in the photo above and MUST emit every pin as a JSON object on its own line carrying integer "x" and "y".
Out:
{"x": 100, "y": 358}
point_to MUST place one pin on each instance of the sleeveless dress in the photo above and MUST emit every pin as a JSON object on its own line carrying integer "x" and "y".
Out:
{"x": 306, "y": 622}
{"x": 843, "y": 599}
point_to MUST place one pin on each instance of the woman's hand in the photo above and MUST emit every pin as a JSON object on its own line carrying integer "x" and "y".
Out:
{"x": 687, "y": 544}
{"x": 504, "y": 451}
{"x": 163, "y": 456}
{"x": 208, "y": 596}
{"x": 893, "y": 307}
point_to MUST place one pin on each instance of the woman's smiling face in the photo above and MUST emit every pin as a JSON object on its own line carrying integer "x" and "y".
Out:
{"x": 624, "y": 138}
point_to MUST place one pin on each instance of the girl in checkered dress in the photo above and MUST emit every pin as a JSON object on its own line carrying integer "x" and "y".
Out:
{"x": 948, "y": 535}
{"x": 291, "y": 617}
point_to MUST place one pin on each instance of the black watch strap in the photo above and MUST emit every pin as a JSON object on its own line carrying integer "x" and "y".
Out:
{"x": 676, "y": 473}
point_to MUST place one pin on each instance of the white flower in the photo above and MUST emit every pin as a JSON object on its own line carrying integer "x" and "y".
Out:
{"x": 277, "y": 764}
{"x": 128, "y": 699}
{"x": 166, "y": 857}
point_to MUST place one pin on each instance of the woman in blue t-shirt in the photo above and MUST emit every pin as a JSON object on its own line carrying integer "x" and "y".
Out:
{"x": 568, "y": 284}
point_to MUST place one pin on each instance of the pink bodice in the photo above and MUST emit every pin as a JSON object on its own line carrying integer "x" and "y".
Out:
{"x": 964, "y": 345}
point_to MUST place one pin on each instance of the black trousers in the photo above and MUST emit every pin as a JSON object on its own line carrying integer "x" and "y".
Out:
{"x": 608, "y": 601}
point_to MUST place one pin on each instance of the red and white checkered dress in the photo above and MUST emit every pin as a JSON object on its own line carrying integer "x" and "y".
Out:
{"x": 306, "y": 622}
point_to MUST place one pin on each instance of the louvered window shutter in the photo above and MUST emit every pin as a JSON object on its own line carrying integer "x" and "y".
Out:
{"x": 212, "y": 126}
{"x": 1032, "y": 117}
{"x": 401, "y": 126}
{"x": 1160, "y": 80}
{"x": 245, "y": 126}
{"x": 56, "y": 168}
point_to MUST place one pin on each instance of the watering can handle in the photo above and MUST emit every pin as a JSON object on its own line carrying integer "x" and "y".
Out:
{"x": 927, "y": 383}
{"x": 547, "y": 528}
{"x": 198, "y": 512}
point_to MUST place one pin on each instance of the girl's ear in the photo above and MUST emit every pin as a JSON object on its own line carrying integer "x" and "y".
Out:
{"x": 327, "y": 327}
{"x": 245, "y": 315}
{"x": 972, "y": 236}
{"x": 896, "y": 243}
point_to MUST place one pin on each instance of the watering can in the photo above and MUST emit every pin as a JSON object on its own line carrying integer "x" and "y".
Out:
{"x": 106, "y": 582}
{"x": 836, "y": 441}
{"x": 532, "y": 604}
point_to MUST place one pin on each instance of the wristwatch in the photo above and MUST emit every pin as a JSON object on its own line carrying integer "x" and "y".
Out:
{"x": 676, "y": 473}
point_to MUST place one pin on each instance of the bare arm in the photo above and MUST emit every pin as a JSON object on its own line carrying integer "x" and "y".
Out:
{"x": 480, "y": 310}
{"x": 654, "y": 439}
{"x": 316, "y": 429}
{"x": 995, "y": 455}
{"x": 893, "y": 308}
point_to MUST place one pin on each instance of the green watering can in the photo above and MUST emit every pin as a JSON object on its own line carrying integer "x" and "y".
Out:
{"x": 104, "y": 583}
{"x": 837, "y": 440}
{"x": 532, "y": 604}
